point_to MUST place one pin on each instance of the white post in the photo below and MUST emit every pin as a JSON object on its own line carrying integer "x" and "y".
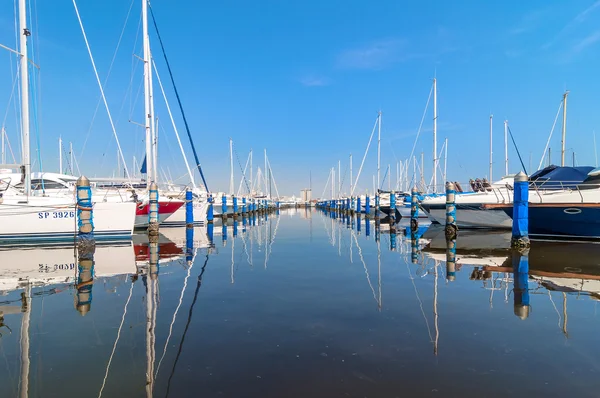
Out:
{"x": 564, "y": 129}
{"x": 378, "y": 151}
{"x": 506, "y": 147}
{"x": 148, "y": 117}
{"x": 231, "y": 188}
{"x": 60, "y": 160}
{"x": 24, "y": 33}
{"x": 491, "y": 152}
{"x": 435, "y": 160}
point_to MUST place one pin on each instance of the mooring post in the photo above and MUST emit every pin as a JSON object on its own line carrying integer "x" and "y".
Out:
{"x": 85, "y": 214}
{"x": 367, "y": 206}
{"x": 414, "y": 210}
{"x": 223, "y": 207}
{"x": 210, "y": 232}
{"x": 377, "y": 204}
{"x": 520, "y": 226}
{"x": 393, "y": 206}
{"x": 153, "y": 210}
{"x": 352, "y": 204}
{"x": 520, "y": 261}
{"x": 210, "y": 214}
{"x": 85, "y": 279}
{"x": 235, "y": 205}
{"x": 244, "y": 210}
{"x": 358, "y": 206}
{"x": 450, "y": 259}
{"x": 189, "y": 208}
{"x": 451, "y": 228}
{"x": 189, "y": 246}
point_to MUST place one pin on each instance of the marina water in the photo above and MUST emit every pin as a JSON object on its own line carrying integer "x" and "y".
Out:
{"x": 300, "y": 304}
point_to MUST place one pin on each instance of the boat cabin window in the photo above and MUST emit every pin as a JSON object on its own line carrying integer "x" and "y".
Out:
{"x": 36, "y": 184}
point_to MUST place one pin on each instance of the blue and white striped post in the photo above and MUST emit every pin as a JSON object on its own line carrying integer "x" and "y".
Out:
{"x": 414, "y": 210}
{"x": 189, "y": 209}
{"x": 451, "y": 229}
{"x": 450, "y": 259}
{"x": 393, "y": 206}
{"x": 85, "y": 213}
{"x": 223, "y": 206}
{"x": 153, "y": 210}
{"x": 210, "y": 213}
{"x": 520, "y": 226}
{"x": 520, "y": 261}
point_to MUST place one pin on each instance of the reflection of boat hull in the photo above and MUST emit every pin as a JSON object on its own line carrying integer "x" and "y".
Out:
{"x": 469, "y": 239}
{"x": 469, "y": 216}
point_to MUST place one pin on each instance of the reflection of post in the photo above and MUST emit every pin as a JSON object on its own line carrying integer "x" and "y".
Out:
{"x": 379, "y": 273}
{"x": 414, "y": 246}
{"x": 520, "y": 261}
{"x": 435, "y": 311}
{"x": 392, "y": 239}
{"x": 235, "y": 227}
{"x": 450, "y": 259}
{"x": 564, "y": 329}
{"x": 151, "y": 308}
{"x": 367, "y": 226}
{"x": 358, "y": 222}
{"x": 189, "y": 246}
{"x": 85, "y": 279}
{"x": 26, "y": 309}
{"x": 232, "y": 256}
{"x": 224, "y": 231}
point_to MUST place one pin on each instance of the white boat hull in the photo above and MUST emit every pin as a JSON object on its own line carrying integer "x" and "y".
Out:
{"x": 177, "y": 219}
{"x": 475, "y": 218}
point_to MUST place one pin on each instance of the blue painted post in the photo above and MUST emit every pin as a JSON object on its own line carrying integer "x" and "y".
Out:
{"x": 450, "y": 259}
{"x": 377, "y": 205}
{"x": 235, "y": 228}
{"x": 393, "y": 206}
{"x": 153, "y": 210}
{"x": 85, "y": 280}
{"x": 358, "y": 205}
{"x": 210, "y": 214}
{"x": 189, "y": 246}
{"x": 367, "y": 226}
{"x": 85, "y": 213}
{"x": 451, "y": 229}
{"x": 520, "y": 226}
{"x": 348, "y": 205}
{"x": 244, "y": 210}
{"x": 223, "y": 207}
{"x": 367, "y": 206}
{"x": 189, "y": 209}
{"x": 414, "y": 210}
{"x": 358, "y": 223}
{"x": 210, "y": 232}
{"x": 352, "y": 206}
{"x": 235, "y": 205}
{"x": 224, "y": 232}
{"x": 520, "y": 261}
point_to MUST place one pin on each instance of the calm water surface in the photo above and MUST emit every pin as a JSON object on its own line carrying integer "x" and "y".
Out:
{"x": 301, "y": 305}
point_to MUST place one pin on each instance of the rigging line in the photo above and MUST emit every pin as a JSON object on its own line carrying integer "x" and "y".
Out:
{"x": 174, "y": 316}
{"x": 187, "y": 128}
{"x": 10, "y": 99}
{"x": 243, "y": 171}
{"x": 87, "y": 44}
{"x": 421, "y": 124}
{"x": 419, "y": 300}
{"x": 517, "y": 149}
{"x": 187, "y": 325}
{"x": 365, "y": 266}
{"x": 134, "y": 63}
{"x": 550, "y": 136}
{"x": 116, "y": 341}
{"x": 112, "y": 62}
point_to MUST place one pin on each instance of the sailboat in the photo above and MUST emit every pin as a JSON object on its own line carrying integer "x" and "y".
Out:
{"x": 25, "y": 216}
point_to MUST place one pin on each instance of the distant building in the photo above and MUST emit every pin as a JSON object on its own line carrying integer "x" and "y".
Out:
{"x": 306, "y": 195}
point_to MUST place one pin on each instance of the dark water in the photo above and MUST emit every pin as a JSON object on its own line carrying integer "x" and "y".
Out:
{"x": 300, "y": 305}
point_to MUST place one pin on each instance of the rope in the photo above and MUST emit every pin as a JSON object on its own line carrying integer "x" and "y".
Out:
{"x": 187, "y": 128}
{"x": 421, "y": 124}
{"x": 112, "y": 125}
{"x": 243, "y": 171}
{"x": 517, "y": 149}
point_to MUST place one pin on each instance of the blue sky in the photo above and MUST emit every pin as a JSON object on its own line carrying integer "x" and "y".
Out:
{"x": 305, "y": 80}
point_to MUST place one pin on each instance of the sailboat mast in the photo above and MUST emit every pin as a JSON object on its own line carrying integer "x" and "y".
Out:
{"x": 564, "y": 129}
{"x": 148, "y": 118}
{"x": 24, "y": 383}
{"x": 231, "y": 166}
{"x": 60, "y": 159}
{"x": 332, "y": 183}
{"x": 251, "y": 173}
{"x": 434, "y": 135}
{"x": 378, "y": 151}
{"x": 423, "y": 172}
{"x": 351, "y": 176}
{"x": 266, "y": 183}
{"x": 446, "y": 160}
{"x": 506, "y": 147}
{"x": 25, "y": 149}
{"x": 339, "y": 177}
{"x": 491, "y": 147}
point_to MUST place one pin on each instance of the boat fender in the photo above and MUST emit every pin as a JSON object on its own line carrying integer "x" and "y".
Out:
{"x": 458, "y": 187}
{"x": 472, "y": 183}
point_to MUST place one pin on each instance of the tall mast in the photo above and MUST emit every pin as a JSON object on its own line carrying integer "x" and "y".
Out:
{"x": 435, "y": 160}
{"x": 332, "y": 183}
{"x": 154, "y": 129}
{"x": 378, "y": 151}
{"x": 506, "y": 147}
{"x": 351, "y": 176}
{"x": 397, "y": 186}
{"x": 231, "y": 188}
{"x": 60, "y": 160}
{"x": 491, "y": 152}
{"x": 25, "y": 159}
{"x": 148, "y": 117}
{"x": 339, "y": 178}
{"x": 564, "y": 129}
{"x": 266, "y": 183}
{"x": 25, "y": 321}
{"x": 446, "y": 159}
{"x": 423, "y": 171}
